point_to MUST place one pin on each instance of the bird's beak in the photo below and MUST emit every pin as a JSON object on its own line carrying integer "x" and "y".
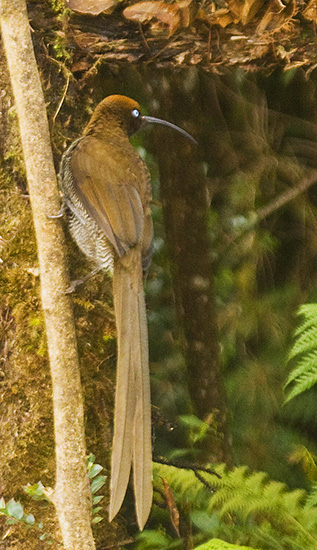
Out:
{"x": 152, "y": 119}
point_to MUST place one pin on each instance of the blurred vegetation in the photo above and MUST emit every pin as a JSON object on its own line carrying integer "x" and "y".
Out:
{"x": 257, "y": 164}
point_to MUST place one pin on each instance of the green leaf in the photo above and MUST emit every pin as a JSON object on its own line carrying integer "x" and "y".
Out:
{"x": 154, "y": 540}
{"x": 206, "y": 523}
{"x": 30, "y": 520}
{"x": 191, "y": 420}
{"x": 94, "y": 470}
{"x": 15, "y": 509}
{"x": 96, "y": 519}
{"x": 97, "y": 483}
{"x": 36, "y": 491}
{"x": 42, "y": 537}
{"x": 216, "y": 544}
{"x": 198, "y": 427}
{"x": 12, "y": 521}
{"x": 2, "y": 503}
{"x": 90, "y": 460}
{"x": 96, "y": 509}
{"x": 96, "y": 499}
{"x": 178, "y": 453}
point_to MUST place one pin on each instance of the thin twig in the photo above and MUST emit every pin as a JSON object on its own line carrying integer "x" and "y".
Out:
{"x": 272, "y": 206}
{"x": 209, "y": 46}
{"x": 204, "y": 481}
{"x": 62, "y": 99}
{"x": 285, "y": 197}
{"x": 187, "y": 466}
{"x": 145, "y": 42}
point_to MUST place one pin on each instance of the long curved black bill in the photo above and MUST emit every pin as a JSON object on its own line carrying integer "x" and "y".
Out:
{"x": 154, "y": 120}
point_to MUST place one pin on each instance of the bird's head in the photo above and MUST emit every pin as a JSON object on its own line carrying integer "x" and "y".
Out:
{"x": 125, "y": 113}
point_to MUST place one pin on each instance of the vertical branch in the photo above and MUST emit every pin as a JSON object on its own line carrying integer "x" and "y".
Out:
{"x": 72, "y": 493}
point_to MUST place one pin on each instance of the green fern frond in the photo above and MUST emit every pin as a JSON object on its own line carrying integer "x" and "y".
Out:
{"x": 294, "y": 500}
{"x": 312, "y": 497}
{"x": 303, "y": 381}
{"x": 306, "y": 363}
{"x": 304, "y": 375}
{"x": 250, "y": 503}
{"x": 309, "y": 312}
{"x": 307, "y": 342}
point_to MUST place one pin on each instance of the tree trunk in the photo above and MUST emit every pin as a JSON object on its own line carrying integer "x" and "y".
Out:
{"x": 72, "y": 493}
{"x": 185, "y": 209}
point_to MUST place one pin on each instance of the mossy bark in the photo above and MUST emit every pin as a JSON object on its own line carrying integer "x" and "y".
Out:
{"x": 71, "y": 495}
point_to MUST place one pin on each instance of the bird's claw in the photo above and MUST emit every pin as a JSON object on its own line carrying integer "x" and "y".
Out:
{"x": 58, "y": 214}
{"x": 73, "y": 286}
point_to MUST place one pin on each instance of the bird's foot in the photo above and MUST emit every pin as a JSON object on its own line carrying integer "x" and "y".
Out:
{"x": 58, "y": 214}
{"x": 74, "y": 285}
{"x": 78, "y": 282}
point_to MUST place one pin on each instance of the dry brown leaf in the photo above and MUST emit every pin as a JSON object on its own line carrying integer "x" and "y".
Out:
{"x": 277, "y": 16}
{"x": 244, "y": 10}
{"x": 143, "y": 12}
{"x": 188, "y": 11}
{"x": 175, "y": 16}
{"x": 174, "y": 513}
{"x": 92, "y": 7}
{"x": 220, "y": 17}
{"x": 236, "y": 8}
{"x": 310, "y": 12}
{"x": 80, "y": 66}
{"x": 261, "y": 49}
{"x": 250, "y": 8}
{"x": 180, "y": 58}
{"x": 85, "y": 40}
{"x": 283, "y": 54}
{"x": 196, "y": 59}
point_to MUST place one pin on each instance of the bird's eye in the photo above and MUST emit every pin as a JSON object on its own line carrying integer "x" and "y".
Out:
{"x": 135, "y": 113}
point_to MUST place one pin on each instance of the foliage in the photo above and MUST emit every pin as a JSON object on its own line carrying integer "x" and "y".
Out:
{"x": 97, "y": 481}
{"x": 255, "y": 135}
{"x": 304, "y": 352}
{"x": 287, "y": 27}
{"x": 240, "y": 506}
{"x": 58, "y": 5}
{"x": 301, "y": 455}
{"x": 15, "y": 513}
{"x": 14, "y": 510}
{"x": 216, "y": 544}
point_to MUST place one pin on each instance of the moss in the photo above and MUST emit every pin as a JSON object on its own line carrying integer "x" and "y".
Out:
{"x": 26, "y": 430}
{"x": 58, "y": 5}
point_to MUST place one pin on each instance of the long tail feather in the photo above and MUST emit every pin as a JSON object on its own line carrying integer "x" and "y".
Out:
{"x": 142, "y": 448}
{"x": 132, "y": 420}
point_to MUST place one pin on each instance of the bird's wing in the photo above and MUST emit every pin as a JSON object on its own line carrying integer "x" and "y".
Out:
{"x": 109, "y": 197}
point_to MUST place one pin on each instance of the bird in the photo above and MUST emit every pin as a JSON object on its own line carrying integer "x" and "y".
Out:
{"x": 106, "y": 192}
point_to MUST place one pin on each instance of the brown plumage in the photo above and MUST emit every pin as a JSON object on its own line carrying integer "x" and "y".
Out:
{"x": 107, "y": 193}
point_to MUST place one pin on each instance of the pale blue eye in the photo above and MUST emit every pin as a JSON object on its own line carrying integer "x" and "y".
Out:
{"x": 135, "y": 113}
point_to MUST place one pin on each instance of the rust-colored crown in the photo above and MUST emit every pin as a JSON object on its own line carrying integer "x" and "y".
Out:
{"x": 115, "y": 111}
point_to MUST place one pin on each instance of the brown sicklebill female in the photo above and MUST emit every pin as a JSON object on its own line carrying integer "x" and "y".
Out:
{"x": 107, "y": 195}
